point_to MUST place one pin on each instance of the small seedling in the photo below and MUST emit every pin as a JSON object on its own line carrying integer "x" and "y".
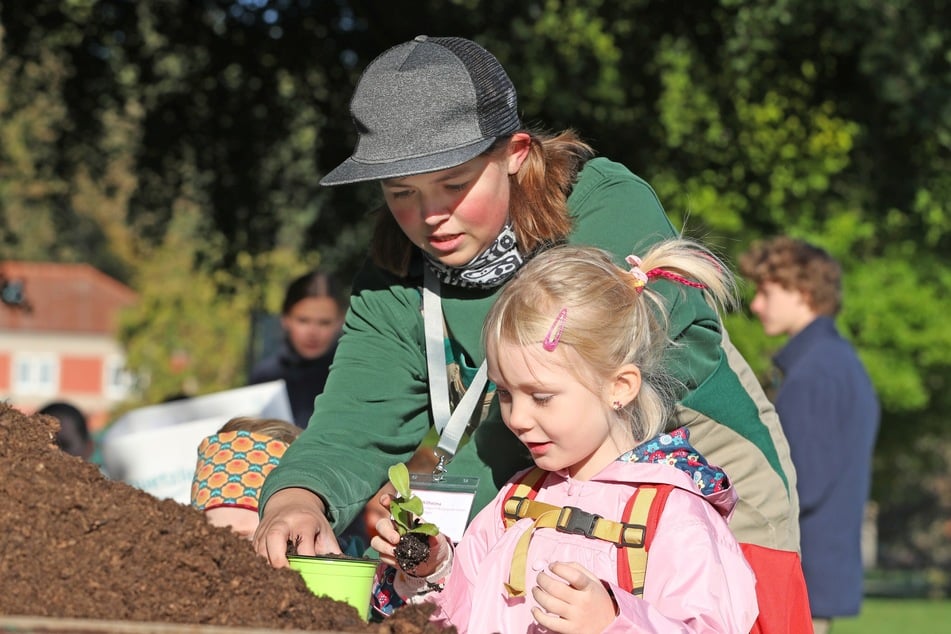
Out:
{"x": 406, "y": 509}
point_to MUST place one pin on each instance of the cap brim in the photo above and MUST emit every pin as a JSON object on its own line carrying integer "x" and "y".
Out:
{"x": 355, "y": 171}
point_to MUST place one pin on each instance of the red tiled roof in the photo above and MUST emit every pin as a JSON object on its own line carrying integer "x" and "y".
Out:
{"x": 72, "y": 298}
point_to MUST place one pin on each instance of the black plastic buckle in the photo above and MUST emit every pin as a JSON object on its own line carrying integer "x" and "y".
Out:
{"x": 577, "y": 522}
{"x": 512, "y": 509}
{"x": 624, "y": 541}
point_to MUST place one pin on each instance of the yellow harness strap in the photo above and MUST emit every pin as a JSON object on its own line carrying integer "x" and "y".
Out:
{"x": 637, "y": 557}
{"x": 526, "y": 488}
{"x": 568, "y": 519}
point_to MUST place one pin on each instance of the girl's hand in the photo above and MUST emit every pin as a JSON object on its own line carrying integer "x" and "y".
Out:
{"x": 385, "y": 536}
{"x": 577, "y": 603}
{"x": 439, "y": 552}
{"x": 378, "y": 508}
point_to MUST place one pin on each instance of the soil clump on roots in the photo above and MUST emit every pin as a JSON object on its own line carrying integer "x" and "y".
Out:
{"x": 412, "y": 550}
{"x": 77, "y": 545}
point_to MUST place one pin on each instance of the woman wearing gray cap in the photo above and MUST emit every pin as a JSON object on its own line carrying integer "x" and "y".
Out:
{"x": 471, "y": 195}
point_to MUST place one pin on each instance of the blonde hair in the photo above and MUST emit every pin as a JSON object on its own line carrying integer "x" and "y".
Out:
{"x": 272, "y": 427}
{"x": 538, "y": 207}
{"x": 611, "y": 320}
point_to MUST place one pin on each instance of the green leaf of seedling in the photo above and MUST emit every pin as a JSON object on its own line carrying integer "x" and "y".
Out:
{"x": 399, "y": 477}
{"x": 402, "y": 517}
{"x": 425, "y": 529}
{"x": 414, "y": 505}
{"x": 406, "y": 508}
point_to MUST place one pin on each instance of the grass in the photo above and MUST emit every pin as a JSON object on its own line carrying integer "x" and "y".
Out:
{"x": 904, "y": 616}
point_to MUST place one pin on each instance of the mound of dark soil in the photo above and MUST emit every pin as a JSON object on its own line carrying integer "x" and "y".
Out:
{"x": 76, "y": 545}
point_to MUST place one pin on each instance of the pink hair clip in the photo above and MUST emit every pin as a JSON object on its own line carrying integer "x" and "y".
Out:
{"x": 554, "y": 333}
{"x": 640, "y": 277}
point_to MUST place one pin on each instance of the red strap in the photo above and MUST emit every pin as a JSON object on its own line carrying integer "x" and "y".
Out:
{"x": 625, "y": 576}
{"x": 663, "y": 490}
{"x": 780, "y": 591}
{"x": 623, "y": 567}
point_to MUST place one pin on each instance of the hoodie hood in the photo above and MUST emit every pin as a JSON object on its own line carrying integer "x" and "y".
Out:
{"x": 669, "y": 458}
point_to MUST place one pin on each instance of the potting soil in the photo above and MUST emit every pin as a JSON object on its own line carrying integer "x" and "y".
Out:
{"x": 76, "y": 545}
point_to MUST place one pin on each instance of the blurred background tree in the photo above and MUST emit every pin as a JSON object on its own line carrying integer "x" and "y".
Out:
{"x": 177, "y": 146}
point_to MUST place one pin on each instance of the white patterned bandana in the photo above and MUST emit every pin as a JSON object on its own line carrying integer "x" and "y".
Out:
{"x": 493, "y": 267}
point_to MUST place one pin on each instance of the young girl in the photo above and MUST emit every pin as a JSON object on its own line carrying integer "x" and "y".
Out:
{"x": 470, "y": 196}
{"x": 577, "y": 354}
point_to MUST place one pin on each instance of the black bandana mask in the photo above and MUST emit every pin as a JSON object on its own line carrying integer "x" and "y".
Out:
{"x": 493, "y": 267}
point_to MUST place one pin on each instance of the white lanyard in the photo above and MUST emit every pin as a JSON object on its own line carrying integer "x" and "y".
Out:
{"x": 452, "y": 426}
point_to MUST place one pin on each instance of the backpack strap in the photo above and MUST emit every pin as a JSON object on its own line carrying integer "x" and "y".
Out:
{"x": 644, "y": 508}
{"x": 631, "y": 537}
{"x": 526, "y": 488}
{"x": 571, "y": 519}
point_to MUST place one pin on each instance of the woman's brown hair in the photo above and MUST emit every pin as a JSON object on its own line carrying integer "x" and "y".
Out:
{"x": 539, "y": 200}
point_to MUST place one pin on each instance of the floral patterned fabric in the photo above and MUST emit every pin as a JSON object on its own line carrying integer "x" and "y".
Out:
{"x": 232, "y": 467}
{"x": 674, "y": 449}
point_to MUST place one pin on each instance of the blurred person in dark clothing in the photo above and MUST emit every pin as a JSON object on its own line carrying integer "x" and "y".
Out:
{"x": 311, "y": 319}
{"x": 73, "y": 436}
{"x": 829, "y": 411}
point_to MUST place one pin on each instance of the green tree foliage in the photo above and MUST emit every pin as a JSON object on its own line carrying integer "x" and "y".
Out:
{"x": 66, "y": 172}
{"x": 188, "y": 333}
{"x": 796, "y": 123}
{"x": 178, "y": 145}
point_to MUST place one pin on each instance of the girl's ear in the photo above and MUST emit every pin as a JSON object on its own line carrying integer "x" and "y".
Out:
{"x": 626, "y": 384}
{"x": 519, "y": 145}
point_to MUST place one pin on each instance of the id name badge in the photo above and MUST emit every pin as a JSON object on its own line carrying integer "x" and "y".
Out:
{"x": 447, "y": 502}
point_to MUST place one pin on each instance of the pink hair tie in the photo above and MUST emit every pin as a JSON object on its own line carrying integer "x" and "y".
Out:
{"x": 554, "y": 333}
{"x": 673, "y": 277}
{"x": 641, "y": 278}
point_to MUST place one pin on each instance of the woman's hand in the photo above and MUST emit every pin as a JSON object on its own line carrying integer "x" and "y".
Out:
{"x": 577, "y": 603}
{"x": 296, "y": 516}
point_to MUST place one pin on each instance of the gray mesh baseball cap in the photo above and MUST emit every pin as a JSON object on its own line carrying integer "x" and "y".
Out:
{"x": 427, "y": 105}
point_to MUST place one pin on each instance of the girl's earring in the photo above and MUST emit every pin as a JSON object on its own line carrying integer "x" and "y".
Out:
{"x": 616, "y": 406}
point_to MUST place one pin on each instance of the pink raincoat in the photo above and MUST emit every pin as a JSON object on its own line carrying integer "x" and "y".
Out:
{"x": 697, "y": 577}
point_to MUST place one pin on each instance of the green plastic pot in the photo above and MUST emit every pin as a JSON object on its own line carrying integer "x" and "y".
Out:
{"x": 338, "y": 578}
